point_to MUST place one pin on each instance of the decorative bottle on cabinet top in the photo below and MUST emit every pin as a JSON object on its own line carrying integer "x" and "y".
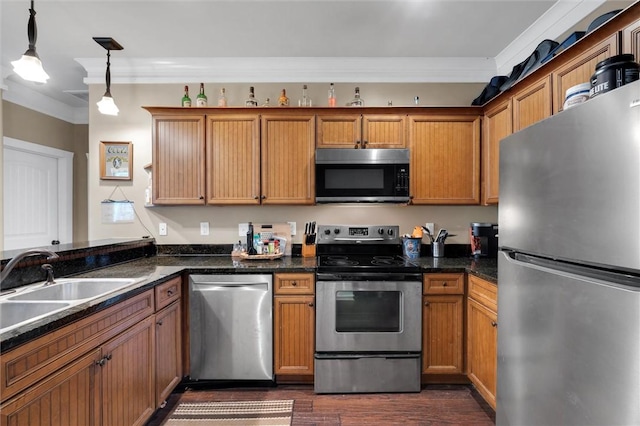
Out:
{"x": 186, "y": 100}
{"x": 357, "y": 101}
{"x": 332, "y": 96}
{"x": 283, "y": 100}
{"x": 222, "y": 98}
{"x": 201, "y": 99}
{"x": 305, "y": 101}
{"x": 251, "y": 100}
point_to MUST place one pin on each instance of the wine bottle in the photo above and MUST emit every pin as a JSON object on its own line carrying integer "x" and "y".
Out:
{"x": 222, "y": 98}
{"x": 251, "y": 100}
{"x": 357, "y": 101}
{"x": 186, "y": 100}
{"x": 332, "y": 95}
{"x": 283, "y": 100}
{"x": 201, "y": 99}
{"x": 305, "y": 101}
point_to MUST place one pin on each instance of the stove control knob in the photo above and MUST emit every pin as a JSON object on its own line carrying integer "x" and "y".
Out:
{"x": 390, "y": 231}
{"x": 380, "y": 231}
{"x": 327, "y": 231}
{"x": 336, "y": 231}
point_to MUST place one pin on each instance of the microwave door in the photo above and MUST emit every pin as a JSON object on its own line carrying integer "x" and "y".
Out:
{"x": 361, "y": 183}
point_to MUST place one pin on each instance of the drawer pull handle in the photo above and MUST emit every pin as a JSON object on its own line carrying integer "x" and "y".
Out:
{"x": 494, "y": 324}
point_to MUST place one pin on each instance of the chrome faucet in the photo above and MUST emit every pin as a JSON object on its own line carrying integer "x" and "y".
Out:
{"x": 32, "y": 252}
{"x": 50, "y": 280}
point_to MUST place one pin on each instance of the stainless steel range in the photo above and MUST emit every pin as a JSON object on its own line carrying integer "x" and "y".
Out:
{"x": 368, "y": 312}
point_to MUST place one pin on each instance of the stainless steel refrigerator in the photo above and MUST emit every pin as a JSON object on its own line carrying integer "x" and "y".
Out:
{"x": 569, "y": 267}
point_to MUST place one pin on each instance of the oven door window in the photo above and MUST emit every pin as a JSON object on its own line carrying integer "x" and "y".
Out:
{"x": 368, "y": 311}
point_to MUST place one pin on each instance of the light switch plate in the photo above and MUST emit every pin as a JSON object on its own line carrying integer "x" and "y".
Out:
{"x": 204, "y": 228}
{"x": 292, "y": 225}
{"x": 243, "y": 228}
{"x": 162, "y": 228}
{"x": 431, "y": 227}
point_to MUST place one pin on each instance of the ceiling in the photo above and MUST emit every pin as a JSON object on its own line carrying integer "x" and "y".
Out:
{"x": 278, "y": 40}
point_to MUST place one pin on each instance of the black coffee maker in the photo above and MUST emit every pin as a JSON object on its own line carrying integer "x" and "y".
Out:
{"x": 484, "y": 239}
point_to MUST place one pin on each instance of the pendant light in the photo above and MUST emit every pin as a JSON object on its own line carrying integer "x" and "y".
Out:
{"x": 107, "y": 105}
{"x": 29, "y": 66}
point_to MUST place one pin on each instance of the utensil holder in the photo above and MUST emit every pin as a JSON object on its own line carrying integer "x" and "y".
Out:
{"x": 308, "y": 250}
{"x": 438, "y": 249}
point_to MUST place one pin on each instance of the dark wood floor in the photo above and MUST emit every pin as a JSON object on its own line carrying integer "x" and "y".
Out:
{"x": 435, "y": 405}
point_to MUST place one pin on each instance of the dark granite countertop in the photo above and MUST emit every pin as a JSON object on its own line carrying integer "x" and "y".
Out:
{"x": 156, "y": 269}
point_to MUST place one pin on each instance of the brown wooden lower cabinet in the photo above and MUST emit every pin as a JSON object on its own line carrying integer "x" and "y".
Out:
{"x": 294, "y": 327}
{"x": 443, "y": 328}
{"x": 482, "y": 338}
{"x": 114, "y": 367}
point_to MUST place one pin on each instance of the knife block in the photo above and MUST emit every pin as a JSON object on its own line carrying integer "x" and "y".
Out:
{"x": 308, "y": 250}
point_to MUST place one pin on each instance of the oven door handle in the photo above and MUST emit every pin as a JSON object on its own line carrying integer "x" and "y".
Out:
{"x": 367, "y": 276}
{"x": 358, "y": 240}
{"x": 367, "y": 355}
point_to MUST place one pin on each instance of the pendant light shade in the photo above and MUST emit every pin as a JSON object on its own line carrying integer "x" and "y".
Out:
{"x": 29, "y": 66}
{"x": 107, "y": 105}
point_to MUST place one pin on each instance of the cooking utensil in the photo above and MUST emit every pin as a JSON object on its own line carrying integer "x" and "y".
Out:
{"x": 441, "y": 232}
{"x": 428, "y": 233}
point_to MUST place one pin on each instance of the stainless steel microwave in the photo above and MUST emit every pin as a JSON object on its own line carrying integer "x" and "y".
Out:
{"x": 362, "y": 175}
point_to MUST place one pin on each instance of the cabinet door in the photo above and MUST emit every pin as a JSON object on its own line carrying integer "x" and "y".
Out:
{"x": 384, "y": 131}
{"x": 168, "y": 351}
{"x": 294, "y": 340}
{"x": 128, "y": 391}
{"x": 178, "y": 159}
{"x": 497, "y": 125}
{"x": 445, "y": 159}
{"x": 580, "y": 69}
{"x": 631, "y": 39}
{"x": 288, "y": 159}
{"x": 233, "y": 159}
{"x": 532, "y": 104}
{"x": 339, "y": 131}
{"x": 482, "y": 349}
{"x": 69, "y": 397}
{"x": 442, "y": 334}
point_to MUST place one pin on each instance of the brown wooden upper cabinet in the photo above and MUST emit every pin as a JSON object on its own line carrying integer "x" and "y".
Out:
{"x": 361, "y": 131}
{"x": 178, "y": 160}
{"x": 445, "y": 159}
{"x": 532, "y": 103}
{"x": 233, "y": 159}
{"x": 581, "y": 68}
{"x": 497, "y": 125}
{"x": 288, "y": 159}
{"x": 631, "y": 39}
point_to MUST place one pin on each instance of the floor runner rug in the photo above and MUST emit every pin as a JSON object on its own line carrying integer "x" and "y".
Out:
{"x": 232, "y": 413}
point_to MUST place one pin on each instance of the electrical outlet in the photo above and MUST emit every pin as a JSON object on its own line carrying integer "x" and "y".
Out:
{"x": 204, "y": 228}
{"x": 162, "y": 228}
{"x": 243, "y": 228}
{"x": 431, "y": 227}
{"x": 292, "y": 225}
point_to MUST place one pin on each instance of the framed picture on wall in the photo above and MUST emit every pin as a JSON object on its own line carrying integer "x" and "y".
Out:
{"x": 116, "y": 160}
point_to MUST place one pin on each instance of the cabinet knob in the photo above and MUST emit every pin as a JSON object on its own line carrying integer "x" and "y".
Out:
{"x": 294, "y": 283}
{"x": 364, "y": 144}
{"x": 256, "y": 198}
{"x": 357, "y": 145}
{"x": 426, "y": 303}
{"x": 202, "y": 197}
{"x": 311, "y": 304}
{"x": 159, "y": 322}
{"x": 263, "y": 197}
{"x": 169, "y": 292}
{"x": 444, "y": 284}
{"x": 108, "y": 357}
{"x": 494, "y": 324}
{"x": 101, "y": 362}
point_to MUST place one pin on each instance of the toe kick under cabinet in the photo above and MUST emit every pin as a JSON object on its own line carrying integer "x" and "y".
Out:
{"x": 99, "y": 370}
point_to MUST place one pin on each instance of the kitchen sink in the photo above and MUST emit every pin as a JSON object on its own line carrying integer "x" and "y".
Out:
{"x": 72, "y": 289}
{"x": 13, "y": 313}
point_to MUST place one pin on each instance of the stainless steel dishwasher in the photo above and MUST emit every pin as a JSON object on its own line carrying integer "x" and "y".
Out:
{"x": 231, "y": 327}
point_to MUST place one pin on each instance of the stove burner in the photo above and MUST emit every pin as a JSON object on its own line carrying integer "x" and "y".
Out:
{"x": 340, "y": 261}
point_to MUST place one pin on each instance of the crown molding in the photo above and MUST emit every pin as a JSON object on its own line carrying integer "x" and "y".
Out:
{"x": 563, "y": 15}
{"x": 290, "y": 69}
{"x": 29, "y": 98}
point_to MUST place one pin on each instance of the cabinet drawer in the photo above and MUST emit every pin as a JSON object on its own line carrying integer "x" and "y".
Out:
{"x": 294, "y": 283}
{"x": 484, "y": 292}
{"x": 167, "y": 292}
{"x": 443, "y": 283}
{"x": 31, "y": 362}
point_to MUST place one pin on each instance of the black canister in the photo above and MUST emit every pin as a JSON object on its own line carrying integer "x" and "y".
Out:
{"x": 614, "y": 72}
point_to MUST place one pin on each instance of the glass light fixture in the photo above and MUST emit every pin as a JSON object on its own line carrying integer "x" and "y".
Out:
{"x": 107, "y": 105}
{"x": 29, "y": 65}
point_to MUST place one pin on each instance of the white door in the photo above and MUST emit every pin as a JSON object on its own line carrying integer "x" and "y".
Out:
{"x": 37, "y": 195}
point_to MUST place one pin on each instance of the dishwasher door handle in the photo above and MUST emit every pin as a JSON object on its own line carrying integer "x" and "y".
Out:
{"x": 229, "y": 284}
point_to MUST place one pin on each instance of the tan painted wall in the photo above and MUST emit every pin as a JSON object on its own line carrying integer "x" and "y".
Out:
{"x": 31, "y": 126}
{"x": 1, "y": 178}
{"x": 134, "y": 124}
